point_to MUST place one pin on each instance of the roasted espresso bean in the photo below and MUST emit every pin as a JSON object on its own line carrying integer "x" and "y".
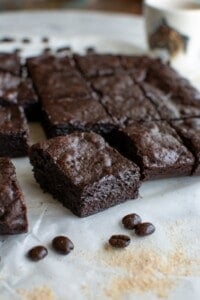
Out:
{"x": 37, "y": 253}
{"x": 144, "y": 229}
{"x": 47, "y": 50}
{"x": 26, "y": 40}
{"x": 90, "y": 50}
{"x": 45, "y": 39}
{"x": 64, "y": 49}
{"x": 130, "y": 221}
{"x": 119, "y": 241}
{"x": 62, "y": 244}
{"x": 7, "y": 39}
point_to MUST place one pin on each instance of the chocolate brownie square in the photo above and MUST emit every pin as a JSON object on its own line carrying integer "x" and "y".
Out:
{"x": 178, "y": 89}
{"x": 67, "y": 115}
{"x": 58, "y": 85}
{"x": 9, "y": 84}
{"x": 83, "y": 172}
{"x": 13, "y": 132}
{"x": 124, "y": 100}
{"x": 189, "y": 130}
{"x": 13, "y": 217}
{"x": 10, "y": 63}
{"x": 28, "y": 99}
{"x": 94, "y": 65}
{"x": 17, "y": 90}
{"x": 172, "y": 106}
{"x": 55, "y": 77}
{"x": 42, "y": 68}
{"x": 157, "y": 149}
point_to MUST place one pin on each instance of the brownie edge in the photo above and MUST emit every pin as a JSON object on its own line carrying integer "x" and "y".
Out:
{"x": 13, "y": 212}
{"x": 83, "y": 172}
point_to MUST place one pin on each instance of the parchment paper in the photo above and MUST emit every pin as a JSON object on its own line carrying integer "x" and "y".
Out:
{"x": 164, "y": 265}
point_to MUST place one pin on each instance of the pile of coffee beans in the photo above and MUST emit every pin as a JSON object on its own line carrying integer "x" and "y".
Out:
{"x": 131, "y": 222}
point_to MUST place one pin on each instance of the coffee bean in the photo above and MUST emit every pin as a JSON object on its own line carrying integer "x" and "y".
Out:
{"x": 45, "y": 39}
{"x": 131, "y": 220}
{"x": 64, "y": 49}
{"x": 7, "y": 39}
{"x": 37, "y": 253}
{"x": 90, "y": 50}
{"x": 119, "y": 241}
{"x": 26, "y": 40}
{"x": 144, "y": 229}
{"x": 62, "y": 244}
{"x": 46, "y": 50}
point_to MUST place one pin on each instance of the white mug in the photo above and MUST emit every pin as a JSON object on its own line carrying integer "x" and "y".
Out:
{"x": 173, "y": 28}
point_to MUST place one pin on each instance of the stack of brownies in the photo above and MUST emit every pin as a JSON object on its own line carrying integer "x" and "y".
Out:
{"x": 111, "y": 122}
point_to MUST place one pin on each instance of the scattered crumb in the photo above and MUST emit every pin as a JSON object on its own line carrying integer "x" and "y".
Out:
{"x": 145, "y": 270}
{"x": 40, "y": 293}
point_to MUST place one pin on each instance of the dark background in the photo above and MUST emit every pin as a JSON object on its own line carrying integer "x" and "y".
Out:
{"x": 128, "y": 6}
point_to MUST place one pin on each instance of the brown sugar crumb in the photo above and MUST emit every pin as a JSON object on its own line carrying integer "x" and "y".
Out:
{"x": 145, "y": 270}
{"x": 40, "y": 293}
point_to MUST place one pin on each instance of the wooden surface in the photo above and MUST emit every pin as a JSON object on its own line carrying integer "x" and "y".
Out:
{"x": 128, "y": 6}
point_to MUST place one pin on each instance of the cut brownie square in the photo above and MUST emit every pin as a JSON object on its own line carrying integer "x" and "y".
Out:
{"x": 17, "y": 90}
{"x": 189, "y": 130}
{"x": 28, "y": 99}
{"x": 124, "y": 100}
{"x": 13, "y": 132}
{"x": 8, "y": 88}
{"x": 94, "y": 65}
{"x": 13, "y": 217}
{"x": 172, "y": 106}
{"x": 56, "y": 77}
{"x": 67, "y": 115}
{"x": 10, "y": 63}
{"x": 40, "y": 66}
{"x": 58, "y": 85}
{"x": 157, "y": 149}
{"x": 84, "y": 173}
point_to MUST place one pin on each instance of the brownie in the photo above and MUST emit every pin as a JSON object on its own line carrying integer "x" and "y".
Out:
{"x": 55, "y": 77}
{"x": 171, "y": 106}
{"x": 17, "y": 90}
{"x": 84, "y": 172}
{"x": 189, "y": 130}
{"x": 13, "y": 132}
{"x": 13, "y": 215}
{"x": 157, "y": 149}
{"x": 94, "y": 65}
{"x": 10, "y": 63}
{"x": 8, "y": 88}
{"x": 28, "y": 99}
{"x": 124, "y": 100}
{"x": 179, "y": 90}
{"x": 66, "y": 115}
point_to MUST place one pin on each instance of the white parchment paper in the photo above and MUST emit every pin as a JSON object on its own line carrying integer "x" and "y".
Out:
{"x": 165, "y": 265}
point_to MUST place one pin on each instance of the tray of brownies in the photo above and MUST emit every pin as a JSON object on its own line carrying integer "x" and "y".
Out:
{"x": 99, "y": 163}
